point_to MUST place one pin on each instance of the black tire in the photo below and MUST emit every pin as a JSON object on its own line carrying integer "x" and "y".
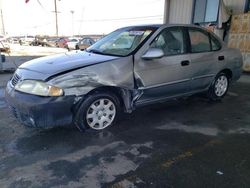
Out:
{"x": 66, "y": 46}
{"x": 216, "y": 91}
{"x": 82, "y": 122}
{"x": 77, "y": 47}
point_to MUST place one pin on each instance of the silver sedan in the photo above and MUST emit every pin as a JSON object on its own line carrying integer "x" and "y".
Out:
{"x": 131, "y": 67}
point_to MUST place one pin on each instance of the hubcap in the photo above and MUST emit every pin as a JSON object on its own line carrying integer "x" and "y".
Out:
{"x": 101, "y": 114}
{"x": 221, "y": 85}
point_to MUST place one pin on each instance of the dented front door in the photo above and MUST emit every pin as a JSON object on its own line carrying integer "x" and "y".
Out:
{"x": 168, "y": 76}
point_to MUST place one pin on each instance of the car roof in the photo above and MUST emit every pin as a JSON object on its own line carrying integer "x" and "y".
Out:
{"x": 163, "y": 25}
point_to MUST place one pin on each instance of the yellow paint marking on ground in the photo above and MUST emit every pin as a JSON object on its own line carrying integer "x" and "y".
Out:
{"x": 189, "y": 154}
{"x": 180, "y": 157}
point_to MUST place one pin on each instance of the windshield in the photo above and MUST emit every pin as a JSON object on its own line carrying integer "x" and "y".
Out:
{"x": 73, "y": 40}
{"x": 121, "y": 42}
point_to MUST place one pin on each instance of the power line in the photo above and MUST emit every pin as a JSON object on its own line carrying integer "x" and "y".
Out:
{"x": 55, "y": 11}
{"x": 41, "y": 5}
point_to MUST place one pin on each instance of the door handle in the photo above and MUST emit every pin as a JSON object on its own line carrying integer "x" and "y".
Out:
{"x": 185, "y": 63}
{"x": 221, "y": 58}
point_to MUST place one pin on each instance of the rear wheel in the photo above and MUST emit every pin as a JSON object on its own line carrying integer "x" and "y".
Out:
{"x": 219, "y": 87}
{"x": 98, "y": 111}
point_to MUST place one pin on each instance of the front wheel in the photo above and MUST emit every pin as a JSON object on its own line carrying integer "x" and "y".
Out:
{"x": 219, "y": 87}
{"x": 98, "y": 111}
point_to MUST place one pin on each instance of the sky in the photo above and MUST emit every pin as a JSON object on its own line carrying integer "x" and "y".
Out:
{"x": 89, "y": 16}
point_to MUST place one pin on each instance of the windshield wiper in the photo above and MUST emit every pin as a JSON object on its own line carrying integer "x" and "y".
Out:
{"x": 101, "y": 53}
{"x": 95, "y": 51}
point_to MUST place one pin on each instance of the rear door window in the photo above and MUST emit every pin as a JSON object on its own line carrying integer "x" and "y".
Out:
{"x": 199, "y": 41}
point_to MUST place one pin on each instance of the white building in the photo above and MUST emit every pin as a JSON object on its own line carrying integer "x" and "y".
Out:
{"x": 201, "y": 11}
{"x": 215, "y": 15}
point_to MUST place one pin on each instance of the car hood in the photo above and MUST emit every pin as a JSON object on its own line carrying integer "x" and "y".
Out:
{"x": 55, "y": 64}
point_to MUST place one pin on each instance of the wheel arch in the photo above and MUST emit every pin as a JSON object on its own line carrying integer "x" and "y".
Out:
{"x": 123, "y": 95}
{"x": 228, "y": 73}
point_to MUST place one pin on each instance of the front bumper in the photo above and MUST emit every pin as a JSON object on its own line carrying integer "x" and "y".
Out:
{"x": 36, "y": 111}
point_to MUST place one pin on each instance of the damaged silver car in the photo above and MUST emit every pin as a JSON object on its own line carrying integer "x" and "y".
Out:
{"x": 131, "y": 67}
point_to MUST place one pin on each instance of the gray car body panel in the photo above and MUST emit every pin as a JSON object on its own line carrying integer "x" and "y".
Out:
{"x": 165, "y": 78}
{"x": 116, "y": 73}
{"x": 141, "y": 81}
{"x": 56, "y": 64}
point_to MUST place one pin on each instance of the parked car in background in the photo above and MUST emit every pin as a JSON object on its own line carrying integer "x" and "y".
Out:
{"x": 129, "y": 68}
{"x": 40, "y": 42}
{"x": 26, "y": 40}
{"x": 71, "y": 44}
{"x": 13, "y": 40}
{"x": 52, "y": 41}
{"x": 62, "y": 42}
{"x": 84, "y": 43}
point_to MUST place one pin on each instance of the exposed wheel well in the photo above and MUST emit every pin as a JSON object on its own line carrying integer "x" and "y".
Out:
{"x": 228, "y": 72}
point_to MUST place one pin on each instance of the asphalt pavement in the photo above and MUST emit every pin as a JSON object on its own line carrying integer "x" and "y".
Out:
{"x": 182, "y": 143}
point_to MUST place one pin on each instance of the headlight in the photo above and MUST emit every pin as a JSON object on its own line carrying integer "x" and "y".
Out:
{"x": 38, "y": 88}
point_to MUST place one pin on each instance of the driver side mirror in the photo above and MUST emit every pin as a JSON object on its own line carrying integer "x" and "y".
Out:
{"x": 153, "y": 53}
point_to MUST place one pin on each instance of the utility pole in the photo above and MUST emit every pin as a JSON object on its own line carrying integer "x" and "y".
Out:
{"x": 72, "y": 12}
{"x": 3, "y": 28}
{"x": 56, "y": 18}
{"x": 80, "y": 27}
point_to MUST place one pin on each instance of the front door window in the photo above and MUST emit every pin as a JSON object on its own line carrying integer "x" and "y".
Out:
{"x": 170, "y": 41}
